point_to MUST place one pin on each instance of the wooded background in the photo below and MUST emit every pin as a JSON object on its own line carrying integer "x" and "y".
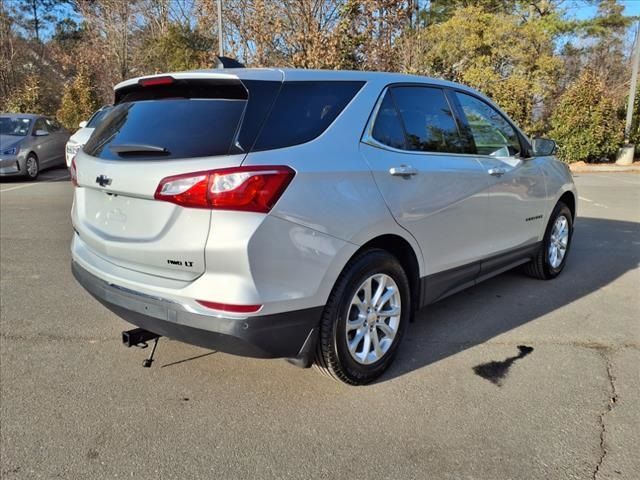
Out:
{"x": 554, "y": 73}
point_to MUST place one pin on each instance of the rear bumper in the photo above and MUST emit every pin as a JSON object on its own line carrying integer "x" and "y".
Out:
{"x": 288, "y": 334}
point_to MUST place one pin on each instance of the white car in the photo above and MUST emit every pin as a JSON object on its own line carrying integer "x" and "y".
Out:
{"x": 78, "y": 139}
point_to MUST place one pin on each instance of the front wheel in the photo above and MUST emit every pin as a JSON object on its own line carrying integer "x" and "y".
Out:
{"x": 31, "y": 167}
{"x": 552, "y": 255}
{"x": 364, "y": 319}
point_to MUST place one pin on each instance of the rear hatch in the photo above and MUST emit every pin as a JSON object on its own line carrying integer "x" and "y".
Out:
{"x": 159, "y": 127}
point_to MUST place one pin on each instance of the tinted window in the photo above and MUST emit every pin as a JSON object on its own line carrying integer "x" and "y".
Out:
{"x": 491, "y": 132}
{"x": 303, "y": 110}
{"x": 185, "y": 128}
{"x": 387, "y": 128}
{"x": 428, "y": 120}
{"x": 97, "y": 117}
{"x": 261, "y": 97}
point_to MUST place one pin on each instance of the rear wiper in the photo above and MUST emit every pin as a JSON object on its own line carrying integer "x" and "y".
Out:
{"x": 126, "y": 148}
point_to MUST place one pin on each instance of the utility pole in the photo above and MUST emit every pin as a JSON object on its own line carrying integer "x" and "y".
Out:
{"x": 625, "y": 157}
{"x": 220, "y": 49}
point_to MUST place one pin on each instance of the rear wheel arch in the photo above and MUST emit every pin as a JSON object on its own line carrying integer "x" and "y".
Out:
{"x": 404, "y": 252}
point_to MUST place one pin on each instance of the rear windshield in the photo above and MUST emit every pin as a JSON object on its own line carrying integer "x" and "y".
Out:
{"x": 167, "y": 128}
{"x": 195, "y": 119}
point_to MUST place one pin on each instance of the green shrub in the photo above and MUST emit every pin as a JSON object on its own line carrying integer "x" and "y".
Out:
{"x": 585, "y": 124}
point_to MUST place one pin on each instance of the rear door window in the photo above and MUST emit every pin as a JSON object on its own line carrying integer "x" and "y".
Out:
{"x": 388, "y": 128}
{"x": 303, "y": 111}
{"x": 428, "y": 120}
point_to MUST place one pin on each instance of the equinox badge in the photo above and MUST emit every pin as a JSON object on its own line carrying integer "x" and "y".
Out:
{"x": 103, "y": 180}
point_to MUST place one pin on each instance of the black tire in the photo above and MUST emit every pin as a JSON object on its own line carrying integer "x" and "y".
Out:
{"x": 332, "y": 355}
{"x": 33, "y": 174}
{"x": 540, "y": 266}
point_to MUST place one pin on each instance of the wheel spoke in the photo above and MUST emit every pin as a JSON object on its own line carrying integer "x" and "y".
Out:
{"x": 390, "y": 312}
{"x": 385, "y": 298}
{"x": 376, "y": 344}
{"x": 553, "y": 255}
{"x": 382, "y": 283}
{"x": 387, "y": 330}
{"x": 367, "y": 291}
{"x": 358, "y": 304}
{"x": 366, "y": 346}
{"x": 353, "y": 344}
{"x": 355, "y": 323}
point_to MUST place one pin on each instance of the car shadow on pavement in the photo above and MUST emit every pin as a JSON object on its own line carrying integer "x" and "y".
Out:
{"x": 602, "y": 251}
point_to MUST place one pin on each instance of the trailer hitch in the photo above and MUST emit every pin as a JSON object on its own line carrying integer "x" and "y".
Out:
{"x": 138, "y": 337}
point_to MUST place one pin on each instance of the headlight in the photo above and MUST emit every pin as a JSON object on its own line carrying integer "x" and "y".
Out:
{"x": 72, "y": 149}
{"x": 11, "y": 151}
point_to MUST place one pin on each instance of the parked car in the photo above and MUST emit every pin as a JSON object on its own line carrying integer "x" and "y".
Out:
{"x": 30, "y": 143}
{"x": 308, "y": 214}
{"x": 80, "y": 137}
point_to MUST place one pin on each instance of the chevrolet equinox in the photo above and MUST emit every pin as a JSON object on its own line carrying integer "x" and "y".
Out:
{"x": 308, "y": 214}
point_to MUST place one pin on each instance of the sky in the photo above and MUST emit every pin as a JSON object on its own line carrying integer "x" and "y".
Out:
{"x": 582, "y": 9}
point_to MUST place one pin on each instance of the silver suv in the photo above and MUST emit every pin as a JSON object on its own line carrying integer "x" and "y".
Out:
{"x": 308, "y": 214}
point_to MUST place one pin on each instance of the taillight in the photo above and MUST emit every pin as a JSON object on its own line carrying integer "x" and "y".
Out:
{"x": 249, "y": 189}
{"x": 73, "y": 172}
{"x": 225, "y": 307}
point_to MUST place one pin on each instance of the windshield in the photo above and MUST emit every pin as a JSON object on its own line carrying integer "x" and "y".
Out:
{"x": 14, "y": 126}
{"x": 97, "y": 117}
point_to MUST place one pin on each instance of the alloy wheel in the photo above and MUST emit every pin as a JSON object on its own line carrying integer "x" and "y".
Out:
{"x": 558, "y": 241}
{"x": 373, "y": 319}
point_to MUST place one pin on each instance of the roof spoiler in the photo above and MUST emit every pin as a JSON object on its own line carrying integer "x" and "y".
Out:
{"x": 227, "y": 62}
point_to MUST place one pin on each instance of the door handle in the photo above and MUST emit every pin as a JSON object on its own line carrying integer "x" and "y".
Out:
{"x": 496, "y": 172}
{"x": 403, "y": 171}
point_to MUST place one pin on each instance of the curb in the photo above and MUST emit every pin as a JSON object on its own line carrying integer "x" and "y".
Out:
{"x": 604, "y": 168}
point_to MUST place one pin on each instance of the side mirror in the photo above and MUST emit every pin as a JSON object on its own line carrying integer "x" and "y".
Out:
{"x": 543, "y": 147}
{"x": 41, "y": 133}
{"x": 82, "y": 124}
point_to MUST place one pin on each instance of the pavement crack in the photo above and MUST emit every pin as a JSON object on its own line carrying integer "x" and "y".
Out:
{"x": 613, "y": 400}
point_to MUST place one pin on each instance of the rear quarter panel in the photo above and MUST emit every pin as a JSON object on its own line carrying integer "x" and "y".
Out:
{"x": 333, "y": 194}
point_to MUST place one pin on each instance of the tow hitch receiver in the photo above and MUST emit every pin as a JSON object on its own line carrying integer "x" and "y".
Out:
{"x": 138, "y": 337}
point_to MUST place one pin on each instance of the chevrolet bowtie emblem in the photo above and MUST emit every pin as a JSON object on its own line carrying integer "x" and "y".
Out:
{"x": 103, "y": 180}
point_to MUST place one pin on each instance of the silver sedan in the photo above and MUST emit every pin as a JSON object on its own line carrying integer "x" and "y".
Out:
{"x": 30, "y": 143}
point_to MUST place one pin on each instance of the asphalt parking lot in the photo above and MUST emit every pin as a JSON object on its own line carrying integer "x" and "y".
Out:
{"x": 515, "y": 378}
